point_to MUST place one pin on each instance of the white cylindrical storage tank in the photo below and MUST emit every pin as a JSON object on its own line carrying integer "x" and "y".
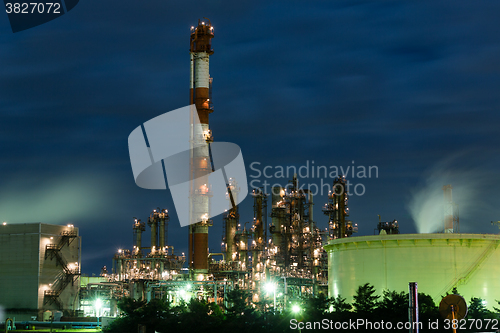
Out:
{"x": 438, "y": 262}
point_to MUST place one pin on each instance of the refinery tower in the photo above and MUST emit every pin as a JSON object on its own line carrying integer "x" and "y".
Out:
{"x": 200, "y": 159}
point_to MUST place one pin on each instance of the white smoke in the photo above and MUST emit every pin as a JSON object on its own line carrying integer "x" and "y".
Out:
{"x": 62, "y": 199}
{"x": 471, "y": 185}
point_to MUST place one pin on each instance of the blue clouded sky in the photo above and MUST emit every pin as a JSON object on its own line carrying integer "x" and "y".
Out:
{"x": 408, "y": 86}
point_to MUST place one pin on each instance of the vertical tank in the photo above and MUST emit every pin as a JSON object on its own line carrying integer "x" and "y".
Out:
{"x": 153, "y": 223}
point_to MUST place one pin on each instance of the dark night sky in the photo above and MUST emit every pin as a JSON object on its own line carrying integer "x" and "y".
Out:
{"x": 408, "y": 86}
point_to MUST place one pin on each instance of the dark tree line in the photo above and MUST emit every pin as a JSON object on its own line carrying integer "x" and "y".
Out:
{"x": 390, "y": 308}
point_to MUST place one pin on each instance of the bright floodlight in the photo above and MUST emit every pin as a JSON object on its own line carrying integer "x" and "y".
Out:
{"x": 188, "y": 286}
{"x": 269, "y": 287}
{"x": 295, "y": 308}
{"x": 98, "y": 303}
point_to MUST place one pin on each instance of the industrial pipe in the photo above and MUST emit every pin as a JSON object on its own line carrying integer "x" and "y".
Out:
{"x": 413, "y": 307}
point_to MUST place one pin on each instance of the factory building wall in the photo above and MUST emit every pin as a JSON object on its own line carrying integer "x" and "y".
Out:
{"x": 437, "y": 262}
{"x": 19, "y": 264}
{"x": 25, "y": 273}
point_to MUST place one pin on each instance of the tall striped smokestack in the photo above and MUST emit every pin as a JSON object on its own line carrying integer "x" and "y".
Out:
{"x": 200, "y": 82}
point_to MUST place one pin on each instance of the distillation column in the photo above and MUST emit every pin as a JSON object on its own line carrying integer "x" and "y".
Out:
{"x": 200, "y": 51}
{"x": 258, "y": 242}
{"x": 164, "y": 218}
{"x": 153, "y": 223}
{"x": 337, "y": 210}
{"x": 139, "y": 227}
{"x": 231, "y": 220}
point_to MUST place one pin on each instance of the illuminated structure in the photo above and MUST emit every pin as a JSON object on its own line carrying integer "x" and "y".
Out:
{"x": 387, "y": 228}
{"x": 40, "y": 269}
{"x": 337, "y": 211}
{"x": 107, "y": 292}
{"x": 438, "y": 262}
{"x": 297, "y": 260}
{"x": 290, "y": 258}
{"x": 160, "y": 260}
{"x": 286, "y": 254}
{"x": 200, "y": 159}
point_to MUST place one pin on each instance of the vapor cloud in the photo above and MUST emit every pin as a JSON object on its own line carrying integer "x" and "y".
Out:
{"x": 56, "y": 200}
{"x": 472, "y": 185}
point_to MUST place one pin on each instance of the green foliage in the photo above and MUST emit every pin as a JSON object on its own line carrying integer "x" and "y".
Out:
{"x": 393, "y": 304}
{"x": 315, "y": 307}
{"x": 237, "y": 302}
{"x": 365, "y": 300}
{"x": 454, "y": 291}
{"x": 426, "y": 305}
{"x": 128, "y": 305}
{"x": 477, "y": 310}
{"x": 240, "y": 316}
{"x": 497, "y": 309}
{"x": 339, "y": 305}
{"x": 135, "y": 312}
{"x": 340, "y": 310}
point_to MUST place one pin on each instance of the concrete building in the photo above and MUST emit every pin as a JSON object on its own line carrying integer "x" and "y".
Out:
{"x": 39, "y": 269}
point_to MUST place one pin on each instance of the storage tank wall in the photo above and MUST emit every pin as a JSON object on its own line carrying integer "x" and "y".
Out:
{"x": 438, "y": 262}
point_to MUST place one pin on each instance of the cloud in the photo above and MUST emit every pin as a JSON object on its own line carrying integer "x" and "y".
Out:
{"x": 54, "y": 199}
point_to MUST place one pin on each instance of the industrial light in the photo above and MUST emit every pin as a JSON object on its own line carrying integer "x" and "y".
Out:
{"x": 295, "y": 308}
{"x": 270, "y": 287}
{"x": 188, "y": 286}
{"x": 98, "y": 304}
{"x": 5, "y": 223}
